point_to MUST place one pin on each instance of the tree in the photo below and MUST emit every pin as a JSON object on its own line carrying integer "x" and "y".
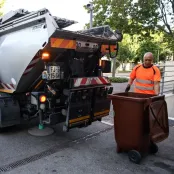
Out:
{"x": 143, "y": 22}
{"x": 136, "y": 17}
{"x": 166, "y": 16}
{"x": 1, "y": 5}
{"x": 164, "y": 55}
{"x": 124, "y": 55}
{"x": 147, "y": 46}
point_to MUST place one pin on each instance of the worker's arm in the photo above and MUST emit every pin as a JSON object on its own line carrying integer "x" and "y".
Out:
{"x": 157, "y": 87}
{"x": 129, "y": 84}
{"x": 131, "y": 79}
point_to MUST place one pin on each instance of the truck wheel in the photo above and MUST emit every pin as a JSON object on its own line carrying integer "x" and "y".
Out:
{"x": 134, "y": 156}
{"x": 153, "y": 148}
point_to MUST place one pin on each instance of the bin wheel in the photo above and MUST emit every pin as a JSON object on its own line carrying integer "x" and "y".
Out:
{"x": 153, "y": 148}
{"x": 134, "y": 156}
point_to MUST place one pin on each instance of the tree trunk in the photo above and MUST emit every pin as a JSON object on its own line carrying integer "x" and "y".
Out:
{"x": 123, "y": 66}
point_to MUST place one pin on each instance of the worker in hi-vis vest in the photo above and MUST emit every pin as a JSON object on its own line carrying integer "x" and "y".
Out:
{"x": 147, "y": 77}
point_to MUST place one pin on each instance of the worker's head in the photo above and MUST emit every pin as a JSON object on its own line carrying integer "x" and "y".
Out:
{"x": 148, "y": 59}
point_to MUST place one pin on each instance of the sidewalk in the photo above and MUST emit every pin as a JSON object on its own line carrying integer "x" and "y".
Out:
{"x": 117, "y": 74}
{"x": 96, "y": 154}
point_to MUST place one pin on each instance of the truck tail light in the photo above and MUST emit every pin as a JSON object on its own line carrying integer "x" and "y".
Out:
{"x": 42, "y": 98}
{"x": 45, "y": 56}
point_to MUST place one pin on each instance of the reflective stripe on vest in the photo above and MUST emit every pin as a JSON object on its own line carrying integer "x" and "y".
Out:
{"x": 145, "y": 88}
{"x": 145, "y": 81}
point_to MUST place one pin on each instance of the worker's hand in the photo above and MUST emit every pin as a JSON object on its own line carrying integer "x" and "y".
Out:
{"x": 127, "y": 88}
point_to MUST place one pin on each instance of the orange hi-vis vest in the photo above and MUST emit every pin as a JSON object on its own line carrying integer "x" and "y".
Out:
{"x": 145, "y": 78}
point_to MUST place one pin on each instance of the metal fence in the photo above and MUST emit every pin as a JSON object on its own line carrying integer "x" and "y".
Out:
{"x": 167, "y": 81}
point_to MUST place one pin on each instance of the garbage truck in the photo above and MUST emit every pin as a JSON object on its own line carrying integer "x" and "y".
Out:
{"x": 51, "y": 73}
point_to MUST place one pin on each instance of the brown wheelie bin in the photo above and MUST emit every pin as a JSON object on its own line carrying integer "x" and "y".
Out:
{"x": 140, "y": 121}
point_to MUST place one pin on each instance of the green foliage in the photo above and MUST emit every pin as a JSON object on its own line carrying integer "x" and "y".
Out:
{"x": 147, "y": 25}
{"x": 1, "y": 5}
{"x": 136, "y": 17}
{"x": 170, "y": 42}
{"x": 147, "y": 46}
{"x": 127, "y": 16}
{"x": 117, "y": 64}
{"x": 163, "y": 56}
{"x": 118, "y": 79}
{"x": 124, "y": 54}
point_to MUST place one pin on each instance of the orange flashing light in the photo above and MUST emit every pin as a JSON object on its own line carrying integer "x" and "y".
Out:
{"x": 100, "y": 62}
{"x": 45, "y": 56}
{"x": 42, "y": 98}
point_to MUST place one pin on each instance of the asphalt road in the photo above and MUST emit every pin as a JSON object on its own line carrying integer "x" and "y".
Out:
{"x": 97, "y": 154}
{"x": 87, "y": 150}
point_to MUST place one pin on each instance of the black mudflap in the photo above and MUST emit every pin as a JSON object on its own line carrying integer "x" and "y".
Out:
{"x": 100, "y": 104}
{"x": 79, "y": 109}
{"x": 9, "y": 112}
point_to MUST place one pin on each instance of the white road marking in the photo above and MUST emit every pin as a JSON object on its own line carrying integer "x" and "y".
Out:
{"x": 105, "y": 122}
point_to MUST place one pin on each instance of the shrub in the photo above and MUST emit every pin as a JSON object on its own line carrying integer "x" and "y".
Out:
{"x": 118, "y": 79}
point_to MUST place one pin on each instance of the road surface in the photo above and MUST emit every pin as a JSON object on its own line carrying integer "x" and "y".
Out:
{"x": 87, "y": 150}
